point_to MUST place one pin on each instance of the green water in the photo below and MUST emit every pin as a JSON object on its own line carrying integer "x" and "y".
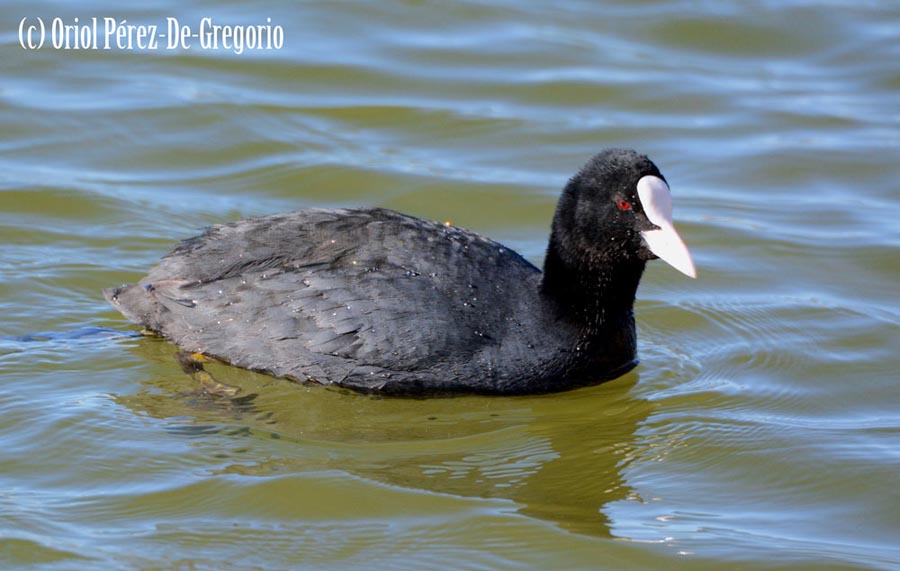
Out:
{"x": 761, "y": 430}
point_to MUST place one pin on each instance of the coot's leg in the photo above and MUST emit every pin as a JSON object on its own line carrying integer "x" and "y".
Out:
{"x": 192, "y": 364}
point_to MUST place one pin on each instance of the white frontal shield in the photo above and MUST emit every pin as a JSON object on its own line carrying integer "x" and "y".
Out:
{"x": 654, "y": 195}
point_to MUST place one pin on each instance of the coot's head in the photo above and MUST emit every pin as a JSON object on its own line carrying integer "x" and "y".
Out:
{"x": 617, "y": 209}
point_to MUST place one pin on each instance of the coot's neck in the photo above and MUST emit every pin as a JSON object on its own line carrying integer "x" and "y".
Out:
{"x": 591, "y": 292}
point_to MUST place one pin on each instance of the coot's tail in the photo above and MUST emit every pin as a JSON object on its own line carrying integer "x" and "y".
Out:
{"x": 150, "y": 304}
{"x": 133, "y": 301}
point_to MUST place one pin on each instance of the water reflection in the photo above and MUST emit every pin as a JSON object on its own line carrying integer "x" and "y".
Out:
{"x": 559, "y": 457}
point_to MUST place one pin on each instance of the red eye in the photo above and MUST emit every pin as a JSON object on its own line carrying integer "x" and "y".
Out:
{"x": 623, "y": 204}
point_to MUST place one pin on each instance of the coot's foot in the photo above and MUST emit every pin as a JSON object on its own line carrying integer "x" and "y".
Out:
{"x": 192, "y": 364}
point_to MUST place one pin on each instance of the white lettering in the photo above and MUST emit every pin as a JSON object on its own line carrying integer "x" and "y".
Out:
{"x": 177, "y": 35}
{"x": 122, "y": 35}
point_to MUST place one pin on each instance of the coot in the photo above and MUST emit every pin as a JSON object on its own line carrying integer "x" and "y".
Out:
{"x": 382, "y": 302}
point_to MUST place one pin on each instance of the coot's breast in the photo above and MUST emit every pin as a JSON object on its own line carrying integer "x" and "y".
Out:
{"x": 363, "y": 298}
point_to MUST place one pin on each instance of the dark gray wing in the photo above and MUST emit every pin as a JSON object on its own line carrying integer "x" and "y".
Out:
{"x": 324, "y": 294}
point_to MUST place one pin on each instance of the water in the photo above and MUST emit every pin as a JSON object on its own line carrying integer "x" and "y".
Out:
{"x": 761, "y": 430}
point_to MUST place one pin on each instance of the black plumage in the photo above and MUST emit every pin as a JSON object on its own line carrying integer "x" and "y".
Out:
{"x": 379, "y": 301}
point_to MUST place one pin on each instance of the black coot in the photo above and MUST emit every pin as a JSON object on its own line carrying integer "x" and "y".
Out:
{"x": 378, "y": 301}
